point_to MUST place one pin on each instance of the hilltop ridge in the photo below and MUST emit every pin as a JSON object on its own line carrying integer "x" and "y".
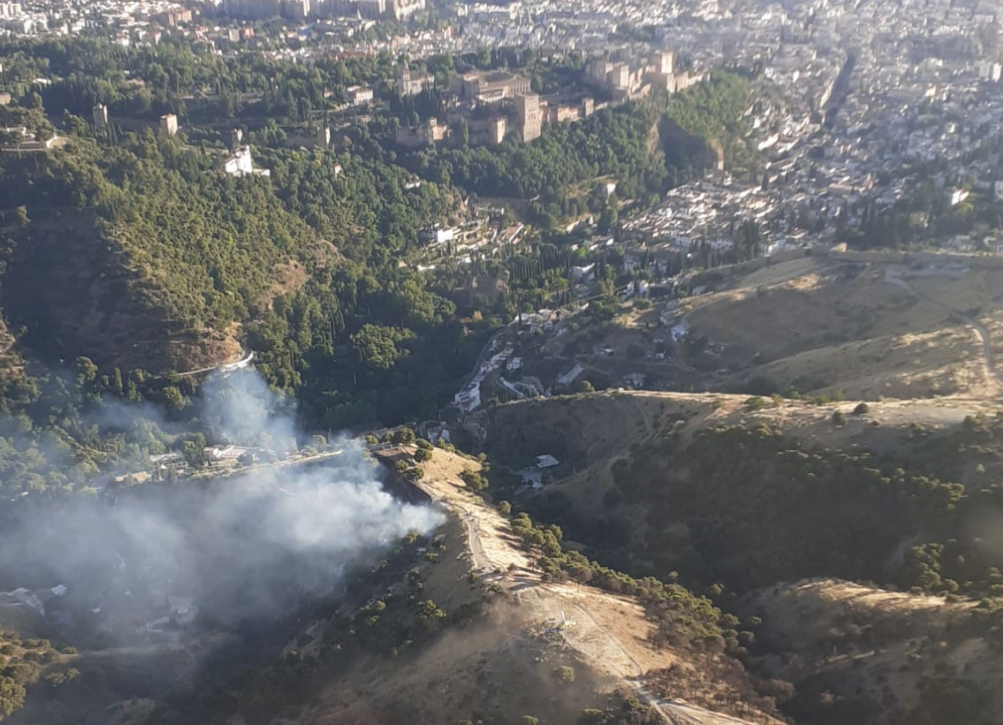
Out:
{"x": 528, "y": 629}
{"x": 858, "y": 533}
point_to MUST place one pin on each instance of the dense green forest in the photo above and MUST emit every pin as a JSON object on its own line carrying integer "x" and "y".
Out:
{"x": 611, "y": 143}
{"x": 709, "y": 115}
{"x": 749, "y": 507}
{"x": 361, "y": 339}
{"x": 313, "y": 268}
{"x": 209, "y": 240}
{"x": 177, "y": 77}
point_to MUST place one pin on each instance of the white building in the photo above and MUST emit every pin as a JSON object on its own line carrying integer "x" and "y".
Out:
{"x": 436, "y": 235}
{"x": 989, "y": 71}
{"x": 169, "y": 124}
{"x": 569, "y": 376}
{"x": 242, "y": 164}
{"x": 546, "y": 461}
{"x": 357, "y": 95}
{"x": 468, "y": 399}
{"x": 100, "y": 115}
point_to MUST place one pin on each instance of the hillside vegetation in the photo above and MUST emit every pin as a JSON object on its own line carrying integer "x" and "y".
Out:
{"x": 104, "y": 271}
{"x": 466, "y": 625}
{"x": 750, "y": 491}
{"x": 127, "y": 258}
{"x": 860, "y": 653}
{"x": 738, "y": 496}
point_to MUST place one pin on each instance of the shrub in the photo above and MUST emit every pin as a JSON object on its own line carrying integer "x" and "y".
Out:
{"x": 564, "y": 674}
{"x": 11, "y": 696}
{"x": 839, "y": 419}
{"x": 403, "y": 436}
{"x": 475, "y": 481}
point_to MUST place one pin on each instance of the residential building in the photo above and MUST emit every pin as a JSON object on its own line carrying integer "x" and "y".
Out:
{"x": 402, "y": 9}
{"x": 100, "y": 115}
{"x": 989, "y": 71}
{"x": 436, "y": 235}
{"x": 169, "y": 124}
{"x": 252, "y": 9}
{"x": 296, "y": 10}
{"x": 175, "y": 17}
{"x": 569, "y": 376}
{"x": 357, "y": 95}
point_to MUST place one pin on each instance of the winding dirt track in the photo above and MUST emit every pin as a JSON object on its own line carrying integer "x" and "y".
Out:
{"x": 992, "y": 372}
{"x": 596, "y": 615}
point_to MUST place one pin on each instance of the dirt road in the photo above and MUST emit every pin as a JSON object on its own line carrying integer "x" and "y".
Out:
{"x": 608, "y": 631}
{"x": 994, "y": 374}
{"x": 472, "y": 523}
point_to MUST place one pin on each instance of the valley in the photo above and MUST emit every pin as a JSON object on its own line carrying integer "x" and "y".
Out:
{"x": 376, "y": 371}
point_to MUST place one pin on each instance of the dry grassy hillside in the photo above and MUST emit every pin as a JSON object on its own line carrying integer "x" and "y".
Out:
{"x": 892, "y": 480}
{"x": 870, "y": 330}
{"x": 847, "y": 643}
{"x": 537, "y": 647}
{"x": 588, "y": 433}
{"x": 582, "y": 430}
{"x": 785, "y": 497}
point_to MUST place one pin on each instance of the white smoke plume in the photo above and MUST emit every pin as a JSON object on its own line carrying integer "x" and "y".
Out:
{"x": 248, "y": 545}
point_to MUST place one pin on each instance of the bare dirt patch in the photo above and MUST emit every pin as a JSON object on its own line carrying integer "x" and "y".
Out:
{"x": 607, "y": 633}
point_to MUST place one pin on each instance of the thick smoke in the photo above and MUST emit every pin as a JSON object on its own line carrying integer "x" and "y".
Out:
{"x": 247, "y": 545}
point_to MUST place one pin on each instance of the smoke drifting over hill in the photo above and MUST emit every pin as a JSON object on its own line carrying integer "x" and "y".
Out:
{"x": 245, "y": 546}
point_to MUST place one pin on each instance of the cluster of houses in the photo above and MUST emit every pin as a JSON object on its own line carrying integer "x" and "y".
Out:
{"x": 469, "y": 397}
